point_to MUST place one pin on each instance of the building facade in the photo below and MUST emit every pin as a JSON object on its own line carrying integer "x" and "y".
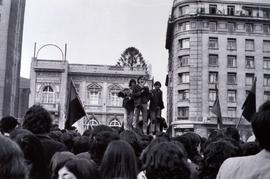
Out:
{"x": 11, "y": 29}
{"x": 216, "y": 42}
{"x": 24, "y": 92}
{"x": 97, "y": 86}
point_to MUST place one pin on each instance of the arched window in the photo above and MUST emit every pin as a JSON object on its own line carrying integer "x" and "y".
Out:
{"x": 47, "y": 94}
{"x": 92, "y": 122}
{"x": 94, "y": 94}
{"x": 113, "y": 96}
{"x": 115, "y": 123}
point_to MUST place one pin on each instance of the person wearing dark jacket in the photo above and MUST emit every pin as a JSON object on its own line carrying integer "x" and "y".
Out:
{"x": 141, "y": 96}
{"x": 128, "y": 104}
{"x": 156, "y": 105}
{"x": 39, "y": 122}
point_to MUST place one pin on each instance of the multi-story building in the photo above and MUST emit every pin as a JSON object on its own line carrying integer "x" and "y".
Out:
{"x": 97, "y": 86}
{"x": 216, "y": 42}
{"x": 11, "y": 28}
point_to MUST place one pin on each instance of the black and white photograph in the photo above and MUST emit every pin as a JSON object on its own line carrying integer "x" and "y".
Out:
{"x": 134, "y": 89}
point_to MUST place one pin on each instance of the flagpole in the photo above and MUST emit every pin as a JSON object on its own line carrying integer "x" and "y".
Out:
{"x": 238, "y": 122}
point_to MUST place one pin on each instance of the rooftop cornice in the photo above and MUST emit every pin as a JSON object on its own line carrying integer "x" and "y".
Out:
{"x": 260, "y": 4}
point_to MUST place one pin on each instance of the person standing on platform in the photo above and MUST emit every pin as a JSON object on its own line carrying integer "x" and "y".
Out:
{"x": 156, "y": 105}
{"x": 128, "y": 104}
{"x": 141, "y": 97}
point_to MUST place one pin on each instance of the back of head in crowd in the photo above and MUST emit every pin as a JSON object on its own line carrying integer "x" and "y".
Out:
{"x": 8, "y": 124}
{"x": 100, "y": 128}
{"x": 232, "y": 133}
{"x": 12, "y": 164}
{"x": 78, "y": 168}
{"x": 166, "y": 161}
{"x": 37, "y": 120}
{"x": 99, "y": 144}
{"x": 215, "y": 154}
{"x": 192, "y": 144}
{"x": 81, "y": 144}
{"x": 33, "y": 153}
{"x": 131, "y": 138}
{"x": 261, "y": 126}
{"x": 119, "y": 161}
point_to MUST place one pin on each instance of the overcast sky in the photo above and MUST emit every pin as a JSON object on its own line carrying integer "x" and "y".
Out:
{"x": 97, "y": 31}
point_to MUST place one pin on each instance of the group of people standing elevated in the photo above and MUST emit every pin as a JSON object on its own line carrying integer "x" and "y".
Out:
{"x": 135, "y": 102}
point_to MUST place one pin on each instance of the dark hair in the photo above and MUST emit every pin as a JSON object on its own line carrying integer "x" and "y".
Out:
{"x": 11, "y": 160}
{"x": 37, "y": 120}
{"x": 100, "y": 128}
{"x": 191, "y": 141}
{"x": 67, "y": 138}
{"x": 261, "y": 127}
{"x": 131, "y": 81}
{"x": 100, "y": 143}
{"x": 232, "y": 133}
{"x": 8, "y": 123}
{"x": 87, "y": 132}
{"x": 58, "y": 161}
{"x": 215, "y": 154}
{"x": 166, "y": 161}
{"x": 149, "y": 147}
{"x": 157, "y": 83}
{"x": 131, "y": 138}
{"x": 81, "y": 144}
{"x": 82, "y": 168}
{"x": 56, "y": 135}
{"x": 140, "y": 77}
{"x": 33, "y": 152}
{"x": 119, "y": 161}
{"x": 250, "y": 148}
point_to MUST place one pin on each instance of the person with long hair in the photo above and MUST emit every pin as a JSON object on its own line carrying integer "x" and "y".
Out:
{"x": 12, "y": 164}
{"x": 33, "y": 153}
{"x": 119, "y": 161}
{"x": 78, "y": 168}
{"x": 166, "y": 161}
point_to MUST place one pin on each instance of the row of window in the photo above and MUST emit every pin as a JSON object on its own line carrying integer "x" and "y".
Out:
{"x": 183, "y": 112}
{"x": 93, "y": 95}
{"x": 231, "y": 95}
{"x": 94, "y": 122}
{"x": 230, "y": 11}
{"x": 231, "y": 44}
{"x": 231, "y": 78}
{"x": 230, "y": 26}
{"x": 231, "y": 61}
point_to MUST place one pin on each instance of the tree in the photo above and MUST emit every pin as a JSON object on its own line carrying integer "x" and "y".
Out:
{"x": 133, "y": 59}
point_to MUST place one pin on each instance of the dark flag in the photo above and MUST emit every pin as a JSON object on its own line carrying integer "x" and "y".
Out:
{"x": 217, "y": 111}
{"x": 75, "y": 109}
{"x": 167, "y": 80}
{"x": 249, "y": 106}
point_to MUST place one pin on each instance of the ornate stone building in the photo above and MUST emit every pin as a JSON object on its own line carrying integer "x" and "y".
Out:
{"x": 216, "y": 42}
{"x": 11, "y": 29}
{"x": 97, "y": 86}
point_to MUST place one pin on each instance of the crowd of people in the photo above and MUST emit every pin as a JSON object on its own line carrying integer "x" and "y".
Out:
{"x": 40, "y": 150}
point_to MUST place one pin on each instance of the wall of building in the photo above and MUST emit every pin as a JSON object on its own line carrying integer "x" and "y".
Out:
{"x": 11, "y": 29}
{"x": 194, "y": 23}
{"x": 107, "y": 80}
